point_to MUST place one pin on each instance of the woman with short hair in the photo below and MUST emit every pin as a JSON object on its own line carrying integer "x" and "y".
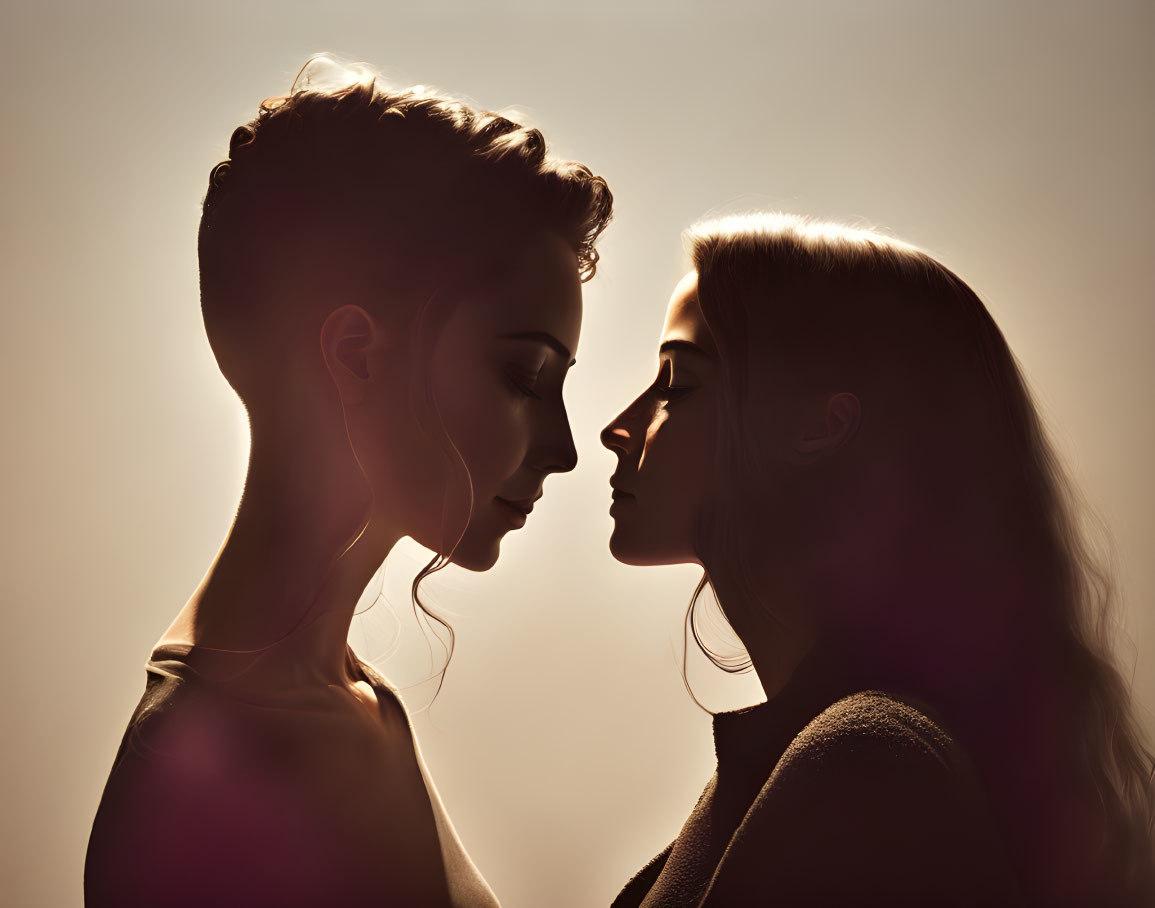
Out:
{"x": 391, "y": 282}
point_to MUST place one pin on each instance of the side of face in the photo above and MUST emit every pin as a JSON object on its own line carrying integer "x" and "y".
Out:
{"x": 499, "y": 423}
{"x": 665, "y": 442}
{"x": 668, "y": 475}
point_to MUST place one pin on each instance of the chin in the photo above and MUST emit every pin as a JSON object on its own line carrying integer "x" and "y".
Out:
{"x": 633, "y": 552}
{"x": 476, "y": 558}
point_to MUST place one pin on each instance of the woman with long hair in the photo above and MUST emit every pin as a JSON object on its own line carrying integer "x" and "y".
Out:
{"x": 841, "y": 437}
{"x": 391, "y": 282}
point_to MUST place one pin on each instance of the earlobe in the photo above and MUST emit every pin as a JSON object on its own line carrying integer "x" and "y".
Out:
{"x": 347, "y": 336}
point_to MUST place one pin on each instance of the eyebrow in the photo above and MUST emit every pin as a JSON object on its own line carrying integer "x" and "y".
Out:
{"x": 542, "y": 337}
{"x": 686, "y": 345}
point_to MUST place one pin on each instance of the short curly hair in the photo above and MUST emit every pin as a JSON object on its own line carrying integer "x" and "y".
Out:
{"x": 394, "y": 193}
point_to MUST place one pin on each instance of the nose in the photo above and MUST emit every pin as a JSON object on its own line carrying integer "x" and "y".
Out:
{"x": 616, "y": 436}
{"x": 558, "y": 453}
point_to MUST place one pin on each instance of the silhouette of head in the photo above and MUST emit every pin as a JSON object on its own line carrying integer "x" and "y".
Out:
{"x": 665, "y": 441}
{"x": 849, "y": 446}
{"x": 823, "y": 396}
{"x": 391, "y": 281}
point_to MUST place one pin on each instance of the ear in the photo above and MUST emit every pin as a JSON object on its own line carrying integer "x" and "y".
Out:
{"x": 347, "y": 337}
{"x": 827, "y": 424}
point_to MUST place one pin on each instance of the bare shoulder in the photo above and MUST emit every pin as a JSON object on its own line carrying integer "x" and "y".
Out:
{"x": 392, "y": 707}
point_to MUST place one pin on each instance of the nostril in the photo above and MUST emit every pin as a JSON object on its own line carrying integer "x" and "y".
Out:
{"x": 615, "y": 437}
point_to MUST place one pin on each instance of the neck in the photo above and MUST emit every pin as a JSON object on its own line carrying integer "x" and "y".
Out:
{"x": 777, "y": 643}
{"x": 278, "y": 600}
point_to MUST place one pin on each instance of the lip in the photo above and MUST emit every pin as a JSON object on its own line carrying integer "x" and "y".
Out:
{"x": 618, "y": 490}
{"x": 525, "y": 505}
{"x": 516, "y": 511}
{"x": 620, "y": 496}
{"x": 620, "y": 501}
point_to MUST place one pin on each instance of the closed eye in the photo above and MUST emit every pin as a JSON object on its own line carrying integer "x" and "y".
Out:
{"x": 673, "y": 392}
{"x": 523, "y": 386}
{"x": 664, "y": 388}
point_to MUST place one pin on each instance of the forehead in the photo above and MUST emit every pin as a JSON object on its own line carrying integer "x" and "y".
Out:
{"x": 541, "y": 293}
{"x": 684, "y": 319}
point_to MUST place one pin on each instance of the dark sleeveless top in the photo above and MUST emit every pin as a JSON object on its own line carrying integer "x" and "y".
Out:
{"x": 170, "y": 666}
{"x": 113, "y": 877}
{"x": 830, "y": 794}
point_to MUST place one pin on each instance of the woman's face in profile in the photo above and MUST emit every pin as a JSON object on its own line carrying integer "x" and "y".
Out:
{"x": 665, "y": 442}
{"x": 496, "y": 373}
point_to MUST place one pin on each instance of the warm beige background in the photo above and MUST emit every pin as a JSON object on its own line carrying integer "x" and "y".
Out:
{"x": 1013, "y": 139}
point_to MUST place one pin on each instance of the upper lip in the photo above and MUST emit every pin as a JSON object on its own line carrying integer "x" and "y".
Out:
{"x": 618, "y": 488}
{"x": 522, "y": 504}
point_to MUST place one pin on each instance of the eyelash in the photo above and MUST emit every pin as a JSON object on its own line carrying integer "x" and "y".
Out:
{"x": 670, "y": 393}
{"x": 528, "y": 392}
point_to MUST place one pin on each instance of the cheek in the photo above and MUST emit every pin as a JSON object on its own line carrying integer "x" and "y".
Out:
{"x": 675, "y": 476}
{"x": 678, "y": 455}
{"x": 486, "y": 423}
{"x": 488, "y": 426}
{"x": 405, "y": 471}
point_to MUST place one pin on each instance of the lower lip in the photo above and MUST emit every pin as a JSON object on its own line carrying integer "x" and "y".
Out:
{"x": 620, "y": 498}
{"x": 512, "y": 514}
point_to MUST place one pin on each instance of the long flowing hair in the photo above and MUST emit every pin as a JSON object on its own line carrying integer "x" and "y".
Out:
{"x": 951, "y": 435}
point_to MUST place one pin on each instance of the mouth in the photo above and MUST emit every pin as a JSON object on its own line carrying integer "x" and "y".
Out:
{"x": 620, "y": 496}
{"x": 616, "y": 485}
{"x": 515, "y": 511}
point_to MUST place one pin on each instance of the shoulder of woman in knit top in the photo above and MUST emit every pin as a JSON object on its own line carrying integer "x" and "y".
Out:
{"x": 878, "y": 750}
{"x": 871, "y": 724}
{"x": 873, "y": 802}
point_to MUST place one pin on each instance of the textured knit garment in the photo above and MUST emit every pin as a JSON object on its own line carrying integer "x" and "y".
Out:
{"x": 831, "y": 795}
